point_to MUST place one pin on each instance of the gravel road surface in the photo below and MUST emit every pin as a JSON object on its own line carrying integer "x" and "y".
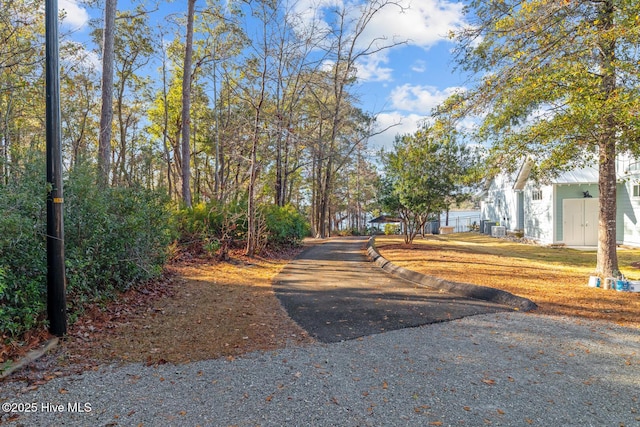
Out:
{"x": 503, "y": 369}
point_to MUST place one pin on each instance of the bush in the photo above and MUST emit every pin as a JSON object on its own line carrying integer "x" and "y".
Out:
{"x": 114, "y": 238}
{"x": 23, "y": 264}
{"x": 284, "y": 225}
{"x": 390, "y": 229}
{"x": 212, "y": 226}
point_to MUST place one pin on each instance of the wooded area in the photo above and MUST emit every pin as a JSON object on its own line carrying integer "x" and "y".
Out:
{"x": 271, "y": 117}
{"x": 225, "y": 124}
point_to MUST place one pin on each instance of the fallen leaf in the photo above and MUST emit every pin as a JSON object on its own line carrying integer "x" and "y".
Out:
{"x": 466, "y": 408}
{"x": 500, "y": 411}
{"x": 435, "y": 423}
{"x": 488, "y": 381}
{"x": 385, "y": 385}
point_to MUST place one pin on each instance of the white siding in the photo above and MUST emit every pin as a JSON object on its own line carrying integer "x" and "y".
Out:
{"x": 628, "y": 214}
{"x": 543, "y": 220}
{"x": 500, "y": 203}
{"x": 538, "y": 214}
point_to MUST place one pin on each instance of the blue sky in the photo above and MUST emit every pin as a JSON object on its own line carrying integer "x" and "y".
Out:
{"x": 399, "y": 85}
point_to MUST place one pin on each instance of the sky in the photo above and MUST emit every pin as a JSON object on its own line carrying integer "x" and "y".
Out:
{"x": 400, "y": 85}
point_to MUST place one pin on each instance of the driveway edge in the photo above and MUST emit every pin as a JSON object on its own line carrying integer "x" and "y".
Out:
{"x": 464, "y": 289}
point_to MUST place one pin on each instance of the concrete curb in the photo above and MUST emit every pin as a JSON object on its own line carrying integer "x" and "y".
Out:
{"x": 30, "y": 357}
{"x": 464, "y": 289}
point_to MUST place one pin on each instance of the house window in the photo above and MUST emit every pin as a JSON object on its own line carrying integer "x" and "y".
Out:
{"x": 636, "y": 190}
{"x": 536, "y": 194}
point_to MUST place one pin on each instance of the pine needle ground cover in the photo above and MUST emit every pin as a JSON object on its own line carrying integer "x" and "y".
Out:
{"x": 554, "y": 278}
{"x": 215, "y": 309}
{"x": 201, "y": 309}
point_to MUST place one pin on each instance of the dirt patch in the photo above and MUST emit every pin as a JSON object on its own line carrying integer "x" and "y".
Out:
{"x": 555, "y": 279}
{"x": 202, "y": 309}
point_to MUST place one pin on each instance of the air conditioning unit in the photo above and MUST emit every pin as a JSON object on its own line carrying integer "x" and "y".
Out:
{"x": 498, "y": 231}
{"x": 488, "y": 225}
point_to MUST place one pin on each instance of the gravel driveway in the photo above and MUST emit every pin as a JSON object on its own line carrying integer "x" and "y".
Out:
{"x": 503, "y": 369}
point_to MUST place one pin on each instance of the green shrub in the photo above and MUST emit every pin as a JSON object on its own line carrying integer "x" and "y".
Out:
{"x": 206, "y": 224}
{"x": 212, "y": 227}
{"x": 114, "y": 238}
{"x": 23, "y": 262}
{"x": 284, "y": 225}
{"x": 390, "y": 229}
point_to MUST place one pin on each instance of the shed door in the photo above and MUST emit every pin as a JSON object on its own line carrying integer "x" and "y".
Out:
{"x": 591, "y": 208}
{"x": 580, "y": 217}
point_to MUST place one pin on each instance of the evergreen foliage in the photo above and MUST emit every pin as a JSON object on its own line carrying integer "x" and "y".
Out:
{"x": 214, "y": 226}
{"x": 115, "y": 238}
{"x": 284, "y": 225}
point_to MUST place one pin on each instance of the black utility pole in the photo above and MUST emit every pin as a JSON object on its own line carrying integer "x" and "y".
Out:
{"x": 56, "y": 283}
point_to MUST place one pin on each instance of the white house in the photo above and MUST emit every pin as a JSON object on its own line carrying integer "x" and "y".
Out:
{"x": 564, "y": 210}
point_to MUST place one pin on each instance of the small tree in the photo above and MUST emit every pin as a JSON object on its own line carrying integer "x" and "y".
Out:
{"x": 424, "y": 173}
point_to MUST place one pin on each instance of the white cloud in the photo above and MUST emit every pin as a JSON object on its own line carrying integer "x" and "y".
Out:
{"x": 76, "y": 17}
{"x": 372, "y": 70}
{"x": 419, "y": 98}
{"x": 412, "y": 105}
{"x": 421, "y": 23}
{"x": 79, "y": 58}
{"x": 397, "y": 124}
{"x": 419, "y": 66}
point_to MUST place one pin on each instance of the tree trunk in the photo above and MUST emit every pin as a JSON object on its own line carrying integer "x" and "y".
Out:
{"x": 279, "y": 184}
{"x": 252, "y": 229}
{"x": 165, "y": 123}
{"x": 607, "y": 257}
{"x": 186, "y": 107}
{"x": 106, "y": 113}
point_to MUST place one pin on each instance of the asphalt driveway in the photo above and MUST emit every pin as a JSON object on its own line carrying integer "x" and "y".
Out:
{"x": 335, "y": 293}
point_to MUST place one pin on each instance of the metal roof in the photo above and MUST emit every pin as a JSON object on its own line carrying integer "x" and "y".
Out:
{"x": 587, "y": 175}
{"x": 385, "y": 219}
